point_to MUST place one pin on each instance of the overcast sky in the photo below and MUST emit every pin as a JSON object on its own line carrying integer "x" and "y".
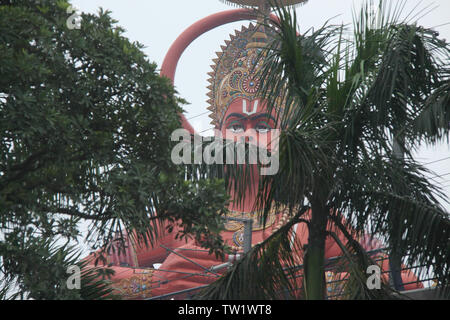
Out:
{"x": 156, "y": 24}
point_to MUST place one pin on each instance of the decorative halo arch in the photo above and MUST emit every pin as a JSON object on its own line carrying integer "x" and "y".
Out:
{"x": 197, "y": 29}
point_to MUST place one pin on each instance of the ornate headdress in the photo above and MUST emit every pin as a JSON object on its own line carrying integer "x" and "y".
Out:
{"x": 234, "y": 70}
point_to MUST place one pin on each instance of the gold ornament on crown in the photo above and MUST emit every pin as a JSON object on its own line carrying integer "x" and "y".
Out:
{"x": 235, "y": 69}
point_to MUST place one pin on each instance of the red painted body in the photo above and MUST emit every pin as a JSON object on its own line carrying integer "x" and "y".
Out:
{"x": 137, "y": 281}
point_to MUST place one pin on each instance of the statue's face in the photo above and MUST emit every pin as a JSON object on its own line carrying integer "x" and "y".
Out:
{"x": 250, "y": 120}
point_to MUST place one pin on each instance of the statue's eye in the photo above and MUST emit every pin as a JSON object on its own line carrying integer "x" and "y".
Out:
{"x": 236, "y": 127}
{"x": 263, "y": 127}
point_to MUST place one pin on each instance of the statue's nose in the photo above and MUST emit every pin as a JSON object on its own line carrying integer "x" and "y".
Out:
{"x": 248, "y": 136}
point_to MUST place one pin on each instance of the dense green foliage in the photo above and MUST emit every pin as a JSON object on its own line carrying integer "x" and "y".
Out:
{"x": 350, "y": 103}
{"x": 85, "y": 124}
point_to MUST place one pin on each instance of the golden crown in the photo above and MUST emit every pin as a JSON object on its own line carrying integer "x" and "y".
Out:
{"x": 234, "y": 70}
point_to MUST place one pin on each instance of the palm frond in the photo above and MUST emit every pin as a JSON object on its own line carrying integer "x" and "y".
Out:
{"x": 352, "y": 265}
{"x": 433, "y": 122}
{"x": 268, "y": 271}
{"x": 43, "y": 274}
{"x": 423, "y": 231}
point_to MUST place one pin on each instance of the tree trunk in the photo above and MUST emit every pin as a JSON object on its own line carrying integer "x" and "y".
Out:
{"x": 395, "y": 256}
{"x": 315, "y": 253}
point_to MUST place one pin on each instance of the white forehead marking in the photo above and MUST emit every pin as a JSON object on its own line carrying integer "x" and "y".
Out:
{"x": 244, "y": 107}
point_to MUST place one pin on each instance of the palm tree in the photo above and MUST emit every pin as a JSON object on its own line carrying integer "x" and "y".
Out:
{"x": 348, "y": 101}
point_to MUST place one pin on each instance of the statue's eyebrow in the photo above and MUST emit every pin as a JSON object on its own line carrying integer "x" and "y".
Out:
{"x": 238, "y": 115}
{"x": 263, "y": 115}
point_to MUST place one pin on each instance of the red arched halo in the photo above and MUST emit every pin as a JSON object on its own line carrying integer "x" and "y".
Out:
{"x": 202, "y": 26}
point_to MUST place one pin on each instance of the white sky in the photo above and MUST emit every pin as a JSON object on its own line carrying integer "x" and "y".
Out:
{"x": 157, "y": 24}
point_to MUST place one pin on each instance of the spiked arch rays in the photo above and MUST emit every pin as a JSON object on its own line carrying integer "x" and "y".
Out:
{"x": 223, "y": 65}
